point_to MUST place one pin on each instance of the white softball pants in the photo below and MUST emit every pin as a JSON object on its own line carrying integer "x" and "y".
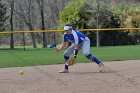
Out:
{"x": 84, "y": 46}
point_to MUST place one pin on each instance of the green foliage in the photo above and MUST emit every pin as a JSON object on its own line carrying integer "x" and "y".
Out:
{"x": 3, "y": 17}
{"x": 135, "y": 23}
{"x": 100, "y": 14}
{"x": 71, "y": 13}
{"x": 112, "y": 15}
{"x": 136, "y": 19}
{"x": 122, "y": 16}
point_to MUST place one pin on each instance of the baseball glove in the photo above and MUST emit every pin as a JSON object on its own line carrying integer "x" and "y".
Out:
{"x": 71, "y": 61}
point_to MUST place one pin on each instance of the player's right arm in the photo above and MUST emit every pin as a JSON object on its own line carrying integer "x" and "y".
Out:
{"x": 62, "y": 46}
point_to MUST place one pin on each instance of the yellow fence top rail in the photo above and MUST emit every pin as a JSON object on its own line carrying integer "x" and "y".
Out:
{"x": 101, "y": 29}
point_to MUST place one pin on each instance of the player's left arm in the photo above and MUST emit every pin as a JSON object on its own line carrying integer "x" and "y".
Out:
{"x": 76, "y": 50}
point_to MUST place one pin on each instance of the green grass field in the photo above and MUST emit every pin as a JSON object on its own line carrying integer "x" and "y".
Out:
{"x": 19, "y": 57}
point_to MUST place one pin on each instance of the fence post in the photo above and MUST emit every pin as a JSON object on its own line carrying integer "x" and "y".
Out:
{"x": 23, "y": 40}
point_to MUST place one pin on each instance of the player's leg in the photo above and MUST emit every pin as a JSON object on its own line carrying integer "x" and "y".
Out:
{"x": 67, "y": 53}
{"x": 85, "y": 50}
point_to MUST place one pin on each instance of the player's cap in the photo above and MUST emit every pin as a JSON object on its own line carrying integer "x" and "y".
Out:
{"x": 67, "y": 27}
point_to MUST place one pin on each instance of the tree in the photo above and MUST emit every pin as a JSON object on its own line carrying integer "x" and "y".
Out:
{"x": 100, "y": 16}
{"x": 3, "y": 17}
{"x": 11, "y": 23}
{"x": 72, "y": 14}
{"x": 53, "y": 16}
{"x": 136, "y": 24}
{"x": 129, "y": 18}
{"x": 25, "y": 9}
{"x": 117, "y": 18}
{"x": 110, "y": 15}
{"x": 11, "y": 4}
{"x": 41, "y": 8}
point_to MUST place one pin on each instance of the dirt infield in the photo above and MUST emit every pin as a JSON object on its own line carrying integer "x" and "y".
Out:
{"x": 119, "y": 77}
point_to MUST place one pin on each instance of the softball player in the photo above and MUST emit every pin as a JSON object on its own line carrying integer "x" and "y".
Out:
{"x": 79, "y": 41}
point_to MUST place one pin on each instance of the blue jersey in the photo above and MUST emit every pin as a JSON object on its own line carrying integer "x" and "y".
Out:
{"x": 75, "y": 37}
